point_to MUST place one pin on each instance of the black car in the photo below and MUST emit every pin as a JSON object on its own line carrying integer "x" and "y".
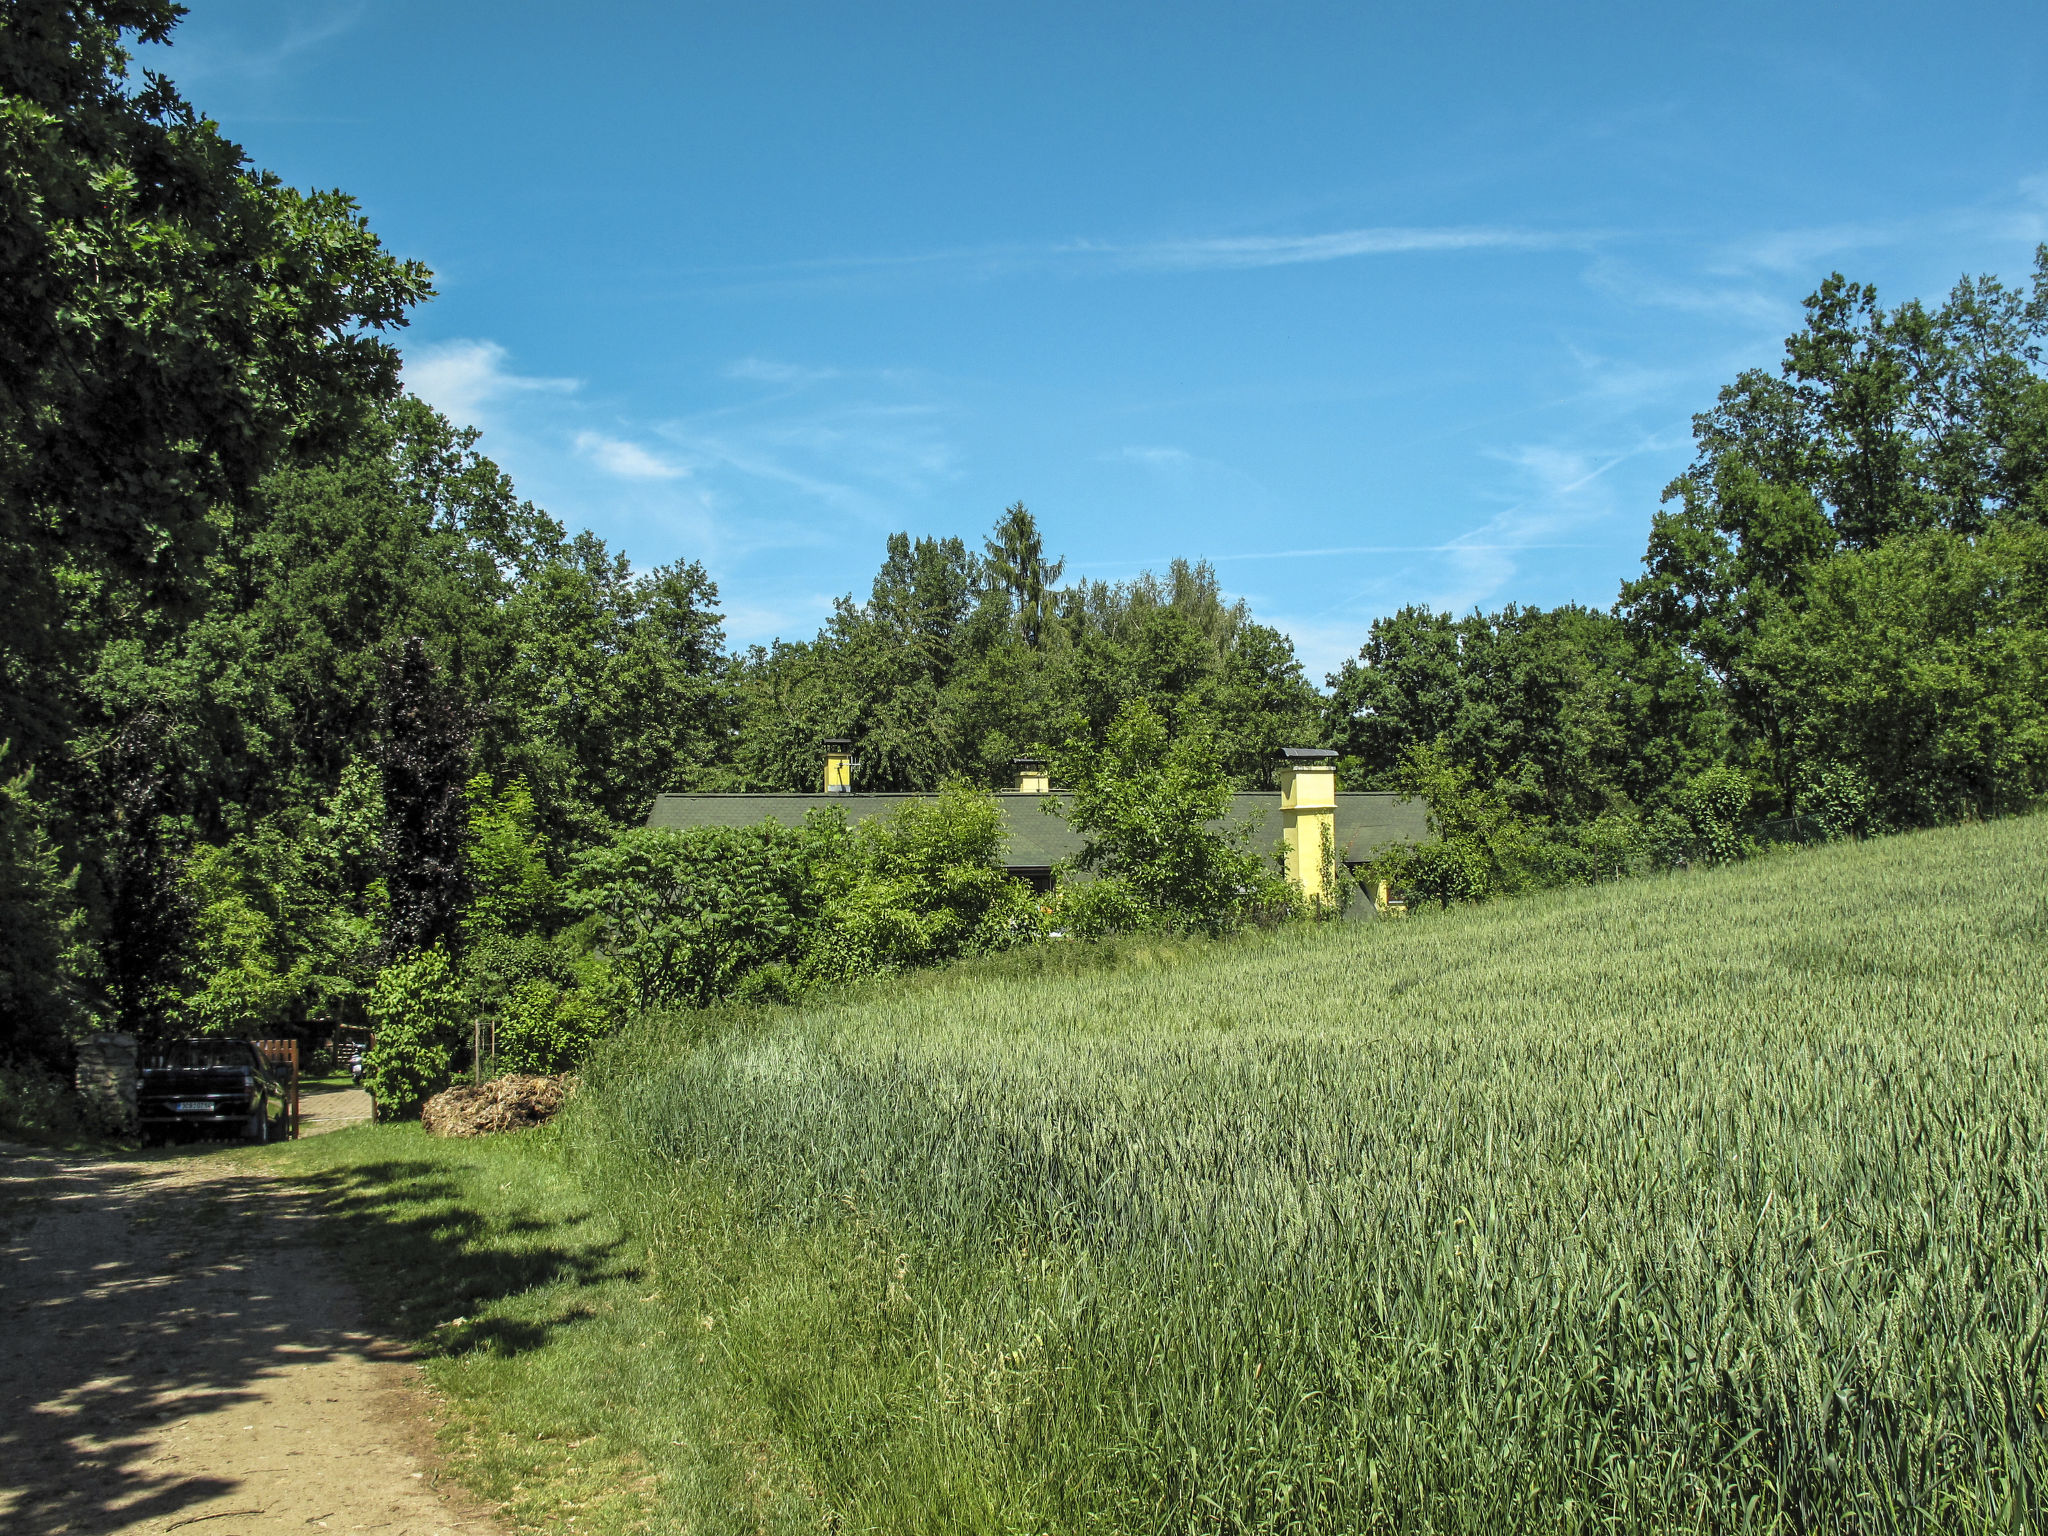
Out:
{"x": 210, "y": 1088}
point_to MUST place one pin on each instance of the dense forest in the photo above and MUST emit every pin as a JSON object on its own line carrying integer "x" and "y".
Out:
{"x": 301, "y": 705}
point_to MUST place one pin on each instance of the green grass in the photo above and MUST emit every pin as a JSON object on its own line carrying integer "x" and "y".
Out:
{"x": 571, "y": 1394}
{"x": 1705, "y": 1203}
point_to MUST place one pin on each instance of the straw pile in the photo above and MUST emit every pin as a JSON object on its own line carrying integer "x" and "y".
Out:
{"x": 502, "y": 1104}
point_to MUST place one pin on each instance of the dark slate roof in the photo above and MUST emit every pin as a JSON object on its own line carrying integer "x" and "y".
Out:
{"x": 1367, "y": 823}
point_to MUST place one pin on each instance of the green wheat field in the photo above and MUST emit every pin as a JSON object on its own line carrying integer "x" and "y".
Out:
{"x": 1709, "y": 1202}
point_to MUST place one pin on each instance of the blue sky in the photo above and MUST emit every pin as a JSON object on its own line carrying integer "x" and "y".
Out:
{"x": 1368, "y": 304}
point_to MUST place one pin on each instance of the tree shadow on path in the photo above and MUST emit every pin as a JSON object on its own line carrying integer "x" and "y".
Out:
{"x": 154, "y": 1305}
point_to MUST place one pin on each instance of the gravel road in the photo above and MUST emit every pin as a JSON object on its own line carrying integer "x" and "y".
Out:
{"x": 180, "y": 1356}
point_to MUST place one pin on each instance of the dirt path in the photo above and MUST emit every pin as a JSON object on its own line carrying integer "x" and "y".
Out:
{"x": 178, "y": 1356}
{"x": 329, "y": 1109}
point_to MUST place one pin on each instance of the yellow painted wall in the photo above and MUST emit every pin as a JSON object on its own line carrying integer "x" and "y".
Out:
{"x": 1308, "y": 816}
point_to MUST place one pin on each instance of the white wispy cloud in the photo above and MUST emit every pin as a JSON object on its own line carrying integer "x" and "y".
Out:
{"x": 189, "y": 61}
{"x": 1565, "y": 494}
{"x": 2023, "y": 217}
{"x": 1189, "y": 253}
{"x": 1153, "y": 457}
{"x": 627, "y": 460}
{"x": 462, "y": 379}
{"x": 859, "y": 458}
{"x": 761, "y": 370}
{"x": 1798, "y": 252}
{"x": 1240, "y": 251}
{"x": 1732, "y": 301}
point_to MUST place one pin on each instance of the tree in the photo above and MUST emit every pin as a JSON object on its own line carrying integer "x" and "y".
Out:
{"x": 1403, "y": 689}
{"x": 616, "y": 689}
{"x": 1877, "y": 425}
{"x": 173, "y": 325}
{"x": 423, "y": 747}
{"x": 1565, "y": 712}
{"x": 1147, "y": 806}
{"x": 149, "y": 909}
{"x": 1921, "y": 667}
{"x": 1017, "y": 563}
{"x": 40, "y": 922}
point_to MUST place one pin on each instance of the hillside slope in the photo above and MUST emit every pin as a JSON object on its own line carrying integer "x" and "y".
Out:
{"x": 1705, "y": 1202}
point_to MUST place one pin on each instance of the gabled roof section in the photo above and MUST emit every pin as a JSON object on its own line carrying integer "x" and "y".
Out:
{"x": 1367, "y": 823}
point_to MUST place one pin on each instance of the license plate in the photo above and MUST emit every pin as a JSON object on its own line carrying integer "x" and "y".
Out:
{"x": 190, "y": 1107}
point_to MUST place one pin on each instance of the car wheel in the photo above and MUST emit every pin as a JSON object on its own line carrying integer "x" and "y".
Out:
{"x": 258, "y": 1129}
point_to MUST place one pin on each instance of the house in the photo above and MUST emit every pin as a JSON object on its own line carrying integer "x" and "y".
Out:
{"x": 1360, "y": 826}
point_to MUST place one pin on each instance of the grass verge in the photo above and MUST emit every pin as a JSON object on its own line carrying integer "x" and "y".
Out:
{"x": 577, "y": 1396}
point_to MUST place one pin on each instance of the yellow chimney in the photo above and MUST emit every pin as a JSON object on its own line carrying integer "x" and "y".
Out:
{"x": 1031, "y": 776}
{"x": 1308, "y": 812}
{"x": 838, "y": 767}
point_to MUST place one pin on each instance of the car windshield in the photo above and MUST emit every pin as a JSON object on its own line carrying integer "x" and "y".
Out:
{"x": 204, "y": 1053}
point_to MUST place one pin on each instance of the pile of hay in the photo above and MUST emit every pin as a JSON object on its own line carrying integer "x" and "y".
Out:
{"x": 502, "y": 1104}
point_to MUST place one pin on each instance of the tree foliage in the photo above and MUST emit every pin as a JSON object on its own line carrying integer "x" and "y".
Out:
{"x": 1151, "y": 810}
{"x": 40, "y": 933}
{"x": 174, "y": 325}
{"x": 423, "y": 745}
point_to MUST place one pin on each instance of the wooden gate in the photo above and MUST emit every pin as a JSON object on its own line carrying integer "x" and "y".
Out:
{"x": 284, "y": 1054}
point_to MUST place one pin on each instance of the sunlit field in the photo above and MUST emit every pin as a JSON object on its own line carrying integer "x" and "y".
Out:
{"x": 1710, "y": 1202}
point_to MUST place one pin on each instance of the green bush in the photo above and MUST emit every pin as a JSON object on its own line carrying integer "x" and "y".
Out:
{"x": 38, "y": 1105}
{"x": 1146, "y": 805}
{"x": 685, "y": 916}
{"x": 1841, "y": 799}
{"x": 546, "y": 1028}
{"x": 1099, "y": 909}
{"x": 1483, "y": 847}
{"x": 921, "y": 886}
{"x": 420, "y": 1024}
{"x": 1713, "y": 818}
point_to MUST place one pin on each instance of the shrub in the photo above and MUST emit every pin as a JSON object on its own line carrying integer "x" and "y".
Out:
{"x": 920, "y": 887}
{"x": 1096, "y": 909}
{"x": 38, "y": 1105}
{"x": 544, "y": 1029}
{"x": 1841, "y": 799}
{"x": 685, "y": 916}
{"x": 1483, "y": 848}
{"x": 1715, "y": 806}
{"x": 1148, "y": 807}
{"x": 419, "y": 1024}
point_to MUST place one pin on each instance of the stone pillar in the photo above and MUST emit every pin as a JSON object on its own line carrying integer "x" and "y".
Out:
{"x": 107, "y": 1081}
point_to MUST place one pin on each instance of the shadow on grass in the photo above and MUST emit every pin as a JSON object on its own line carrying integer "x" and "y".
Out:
{"x": 428, "y": 1249}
